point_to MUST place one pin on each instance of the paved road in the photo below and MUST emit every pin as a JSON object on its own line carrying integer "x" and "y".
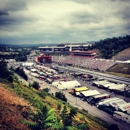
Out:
{"x": 99, "y": 74}
{"x": 81, "y": 104}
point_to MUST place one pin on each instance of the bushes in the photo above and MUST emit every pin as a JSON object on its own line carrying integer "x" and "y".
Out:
{"x": 21, "y": 73}
{"x": 35, "y": 85}
{"x": 4, "y": 72}
{"x": 10, "y": 79}
{"x": 61, "y": 96}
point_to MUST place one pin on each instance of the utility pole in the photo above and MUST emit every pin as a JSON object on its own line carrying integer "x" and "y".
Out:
{"x": 76, "y": 96}
{"x": 76, "y": 100}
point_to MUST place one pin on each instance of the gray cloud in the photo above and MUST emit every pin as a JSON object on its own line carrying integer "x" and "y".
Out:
{"x": 9, "y": 12}
{"x": 13, "y": 5}
{"x": 4, "y": 13}
{"x": 52, "y": 21}
{"x": 81, "y": 1}
{"x": 124, "y": 12}
{"x": 83, "y": 17}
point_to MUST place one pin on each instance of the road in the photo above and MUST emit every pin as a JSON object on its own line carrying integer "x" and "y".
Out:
{"x": 99, "y": 74}
{"x": 81, "y": 104}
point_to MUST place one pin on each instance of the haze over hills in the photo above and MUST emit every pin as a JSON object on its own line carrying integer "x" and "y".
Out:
{"x": 30, "y": 45}
{"x": 44, "y": 44}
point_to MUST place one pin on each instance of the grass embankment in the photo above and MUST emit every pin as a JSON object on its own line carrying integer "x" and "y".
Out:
{"x": 120, "y": 69}
{"x": 22, "y": 100}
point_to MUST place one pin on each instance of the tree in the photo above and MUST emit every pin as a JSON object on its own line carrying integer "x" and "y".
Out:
{"x": 21, "y": 72}
{"x": 107, "y": 45}
{"x": 10, "y": 79}
{"x": 113, "y": 127}
{"x": 46, "y": 90}
{"x": 67, "y": 118}
{"x": 61, "y": 96}
{"x": 4, "y": 73}
{"x": 35, "y": 85}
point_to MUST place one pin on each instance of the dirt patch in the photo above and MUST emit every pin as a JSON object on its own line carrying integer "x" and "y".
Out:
{"x": 124, "y": 55}
{"x": 13, "y": 109}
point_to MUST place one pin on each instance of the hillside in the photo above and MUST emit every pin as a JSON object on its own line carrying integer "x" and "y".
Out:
{"x": 12, "y": 110}
{"x": 119, "y": 70}
{"x": 123, "y": 55}
{"x": 112, "y": 46}
{"x": 19, "y": 103}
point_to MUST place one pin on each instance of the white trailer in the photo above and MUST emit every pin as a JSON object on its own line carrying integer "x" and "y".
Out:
{"x": 28, "y": 64}
{"x": 99, "y": 83}
{"x": 108, "y": 85}
{"x": 117, "y": 103}
{"x": 66, "y": 85}
{"x": 89, "y": 93}
{"x": 34, "y": 74}
{"x": 121, "y": 116}
{"x": 117, "y": 86}
{"x": 128, "y": 112}
{"x": 104, "y": 83}
{"x": 96, "y": 98}
{"x": 106, "y": 101}
{"x": 124, "y": 107}
{"x": 51, "y": 70}
{"x": 33, "y": 70}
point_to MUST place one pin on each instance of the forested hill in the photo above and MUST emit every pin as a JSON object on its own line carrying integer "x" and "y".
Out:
{"x": 111, "y": 46}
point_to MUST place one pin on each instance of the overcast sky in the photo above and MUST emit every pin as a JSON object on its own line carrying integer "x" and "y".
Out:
{"x": 62, "y": 21}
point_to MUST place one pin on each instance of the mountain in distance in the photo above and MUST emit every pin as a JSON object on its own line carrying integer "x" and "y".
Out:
{"x": 91, "y": 42}
{"x": 29, "y": 45}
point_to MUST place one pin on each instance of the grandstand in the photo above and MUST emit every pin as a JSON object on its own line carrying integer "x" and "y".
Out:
{"x": 83, "y": 53}
{"x": 84, "y": 59}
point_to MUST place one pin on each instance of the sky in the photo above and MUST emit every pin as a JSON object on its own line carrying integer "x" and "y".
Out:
{"x": 62, "y": 21}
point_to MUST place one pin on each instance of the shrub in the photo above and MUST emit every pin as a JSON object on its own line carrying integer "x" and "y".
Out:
{"x": 35, "y": 85}
{"x": 10, "y": 79}
{"x": 61, "y": 96}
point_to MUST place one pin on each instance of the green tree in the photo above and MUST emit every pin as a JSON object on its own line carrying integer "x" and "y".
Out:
{"x": 111, "y": 46}
{"x": 4, "y": 73}
{"x": 46, "y": 90}
{"x": 10, "y": 79}
{"x": 35, "y": 85}
{"x": 67, "y": 118}
{"x": 61, "y": 96}
{"x": 113, "y": 127}
{"x": 21, "y": 72}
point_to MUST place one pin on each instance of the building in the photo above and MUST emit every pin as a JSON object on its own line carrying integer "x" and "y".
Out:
{"x": 66, "y": 47}
{"x": 44, "y": 58}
